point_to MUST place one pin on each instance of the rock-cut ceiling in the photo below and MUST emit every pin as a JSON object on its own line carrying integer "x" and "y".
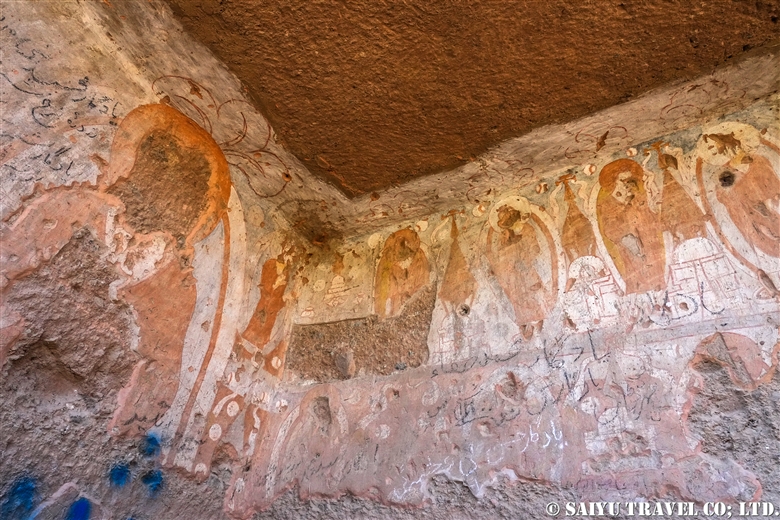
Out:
{"x": 371, "y": 94}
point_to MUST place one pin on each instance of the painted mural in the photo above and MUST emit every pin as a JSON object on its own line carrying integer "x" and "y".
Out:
{"x": 552, "y": 326}
{"x": 566, "y": 334}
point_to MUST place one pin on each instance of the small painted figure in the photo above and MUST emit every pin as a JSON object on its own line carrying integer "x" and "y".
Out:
{"x": 632, "y": 233}
{"x": 749, "y": 188}
{"x": 402, "y": 271}
{"x": 519, "y": 248}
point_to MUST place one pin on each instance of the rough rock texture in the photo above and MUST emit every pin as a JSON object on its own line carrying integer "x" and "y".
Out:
{"x": 742, "y": 423}
{"x": 448, "y": 499}
{"x": 72, "y": 337}
{"x": 324, "y": 352}
{"x": 372, "y": 94}
{"x": 166, "y": 191}
{"x": 58, "y": 392}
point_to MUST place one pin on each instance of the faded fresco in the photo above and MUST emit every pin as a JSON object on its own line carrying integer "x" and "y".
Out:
{"x": 554, "y": 325}
{"x": 566, "y": 334}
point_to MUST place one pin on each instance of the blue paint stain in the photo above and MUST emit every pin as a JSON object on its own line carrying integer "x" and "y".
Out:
{"x": 153, "y": 480}
{"x": 150, "y": 445}
{"x": 119, "y": 474}
{"x": 20, "y": 499}
{"x": 81, "y": 509}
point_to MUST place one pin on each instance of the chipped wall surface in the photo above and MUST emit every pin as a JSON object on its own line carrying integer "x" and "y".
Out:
{"x": 192, "y": 325}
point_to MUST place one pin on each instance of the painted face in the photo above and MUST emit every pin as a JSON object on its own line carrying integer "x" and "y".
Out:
{"x": 722, "y": 149}
{"x": 510, "y": 218}
{"x": 626, "y": 188}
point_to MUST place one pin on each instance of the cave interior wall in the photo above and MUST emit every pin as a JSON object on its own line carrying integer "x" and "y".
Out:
{"x": 195, "y": 325}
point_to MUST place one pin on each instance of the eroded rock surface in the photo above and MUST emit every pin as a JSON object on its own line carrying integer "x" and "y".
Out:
{"x": 327, "y": 351}
{"x": 71, "y": 335}
{"x": 742, "y": 423}
{"x": 374, "y": 94}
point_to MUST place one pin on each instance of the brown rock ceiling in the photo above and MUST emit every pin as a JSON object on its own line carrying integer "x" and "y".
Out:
{"x": 370, "y": 94}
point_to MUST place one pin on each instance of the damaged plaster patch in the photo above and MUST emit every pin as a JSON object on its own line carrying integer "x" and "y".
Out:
{"x": 166, "y": 190}
{"x": 74, "y": 333}
{"x": 742, "y": 424}
{"x": 325, "y": 351}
